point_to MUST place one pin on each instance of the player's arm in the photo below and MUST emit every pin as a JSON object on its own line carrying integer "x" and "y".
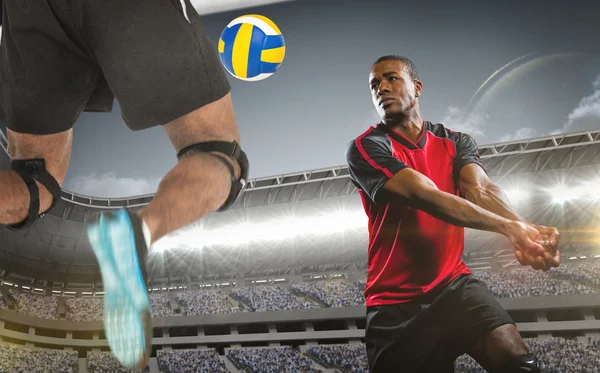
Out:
{"x": 420, "y": 192}
{"x": 383, "y": 177}
{"x": 475, "y": 186}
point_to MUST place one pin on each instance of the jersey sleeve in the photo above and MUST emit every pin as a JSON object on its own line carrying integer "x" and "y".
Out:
{"x": 467, "y": 152}
{"x": 371, "y": 165}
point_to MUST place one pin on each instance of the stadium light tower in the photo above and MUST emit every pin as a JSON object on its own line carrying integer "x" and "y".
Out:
{"x": 276, "y": 229}
{"x": 562, "y": 193}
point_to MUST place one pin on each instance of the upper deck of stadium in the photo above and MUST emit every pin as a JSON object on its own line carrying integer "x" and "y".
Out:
{"x": 55, "y": 249}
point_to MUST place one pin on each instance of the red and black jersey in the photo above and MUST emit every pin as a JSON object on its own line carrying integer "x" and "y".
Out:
{"x": 410, "y": 251}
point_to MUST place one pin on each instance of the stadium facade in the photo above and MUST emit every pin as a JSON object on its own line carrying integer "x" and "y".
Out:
{"x": 55, "y": 254}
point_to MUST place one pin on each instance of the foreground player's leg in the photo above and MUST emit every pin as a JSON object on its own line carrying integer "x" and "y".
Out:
{"x": 168, "y": 73}
{"x": 201, "y": 182}
{"x": 27, "y": 152}
{"x": 503, "y": 351}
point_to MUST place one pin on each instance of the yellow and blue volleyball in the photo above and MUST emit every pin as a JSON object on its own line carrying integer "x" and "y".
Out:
{"x": 251, "y": 47}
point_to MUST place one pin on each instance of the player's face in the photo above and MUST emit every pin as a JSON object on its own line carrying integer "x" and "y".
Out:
{"x": 392, "y": 89}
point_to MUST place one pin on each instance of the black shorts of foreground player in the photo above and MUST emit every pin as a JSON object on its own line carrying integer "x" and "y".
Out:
{"x": 59, "y": 58}
{"x": 421, "y": 184}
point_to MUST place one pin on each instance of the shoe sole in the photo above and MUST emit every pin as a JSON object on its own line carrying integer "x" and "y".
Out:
{"x": 127, "y": 313}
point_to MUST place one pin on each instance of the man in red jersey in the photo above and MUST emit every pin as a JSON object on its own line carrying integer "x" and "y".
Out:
{"x": 421, "y": 184}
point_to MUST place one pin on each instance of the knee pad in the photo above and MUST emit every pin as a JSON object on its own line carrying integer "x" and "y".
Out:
{"x": 229, "y": 150}
{"x": 32, "y": 170}
{"x": 522, "y": 364}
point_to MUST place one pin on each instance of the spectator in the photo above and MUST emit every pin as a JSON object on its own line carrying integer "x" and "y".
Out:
{"x": 271, "y": 360}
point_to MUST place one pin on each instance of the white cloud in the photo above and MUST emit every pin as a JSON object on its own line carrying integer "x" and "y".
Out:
{"x": 587, "y": 114}
{"x": 523, "y": 133}
{"x": 110, "y": 186}
{"x": 472, "y": 124}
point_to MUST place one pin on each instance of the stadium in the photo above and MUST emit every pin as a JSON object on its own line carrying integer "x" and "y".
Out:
{"x": 275, "y": 284}
{"x": 285, "y": 289}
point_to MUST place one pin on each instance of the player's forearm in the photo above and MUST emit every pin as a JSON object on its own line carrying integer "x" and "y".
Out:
{"x": 494, "y": 200}
{"x": 460, "y": 212}
{"x": 14, "y": 198}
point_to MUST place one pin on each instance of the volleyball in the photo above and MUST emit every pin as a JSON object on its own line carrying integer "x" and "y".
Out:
{"x": 251, "y": 47}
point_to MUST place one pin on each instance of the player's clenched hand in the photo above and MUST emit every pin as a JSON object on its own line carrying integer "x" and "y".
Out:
{"x": 528, "y": 244}
{"x": 551, "y": 238}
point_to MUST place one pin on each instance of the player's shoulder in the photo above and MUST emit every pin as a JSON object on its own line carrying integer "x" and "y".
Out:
{"x": 371, "y": 139}
{"x": 443, "y": 131}
{"x": 372, "y": 134}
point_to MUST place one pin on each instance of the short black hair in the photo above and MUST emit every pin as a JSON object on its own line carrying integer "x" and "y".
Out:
{"x": 411, "y": 68}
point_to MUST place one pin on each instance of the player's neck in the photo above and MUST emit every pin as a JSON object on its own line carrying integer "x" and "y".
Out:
{"x": 410, "y": 127}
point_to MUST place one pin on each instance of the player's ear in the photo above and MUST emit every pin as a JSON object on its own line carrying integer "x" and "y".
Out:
{"x": 418, "y": 87}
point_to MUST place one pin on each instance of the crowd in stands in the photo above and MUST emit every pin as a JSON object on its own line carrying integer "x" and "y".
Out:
{"x": 92, "y": 309}
{"x": 19, "y": 359}
{"x": 346, "y": 358}
{"x": 159, "y": 303}
{"x": 556, "y": 355}
{"x": 45, "y": 307}
{"x": 270, "y": 298}
{"x": 190, "y": 361}
{"x": 85, "y": 309}
{"x": 361, "y": 284}
{"x": 525, "y": 282}
{"x": 106, "y": 362}
{"x": 205, "y": 302}
{"x": 585, "y": 272}
{"x": 331, "y": 293}
{"x": 2, "y": 305}
{"x": 581, "y": 277}
{"x": 271, "y": 360}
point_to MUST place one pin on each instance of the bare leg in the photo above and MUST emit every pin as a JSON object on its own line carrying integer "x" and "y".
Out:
{"x": 14, "y": 196}
{"x": 499, "y": 346}
{"x": 199, "y": 184}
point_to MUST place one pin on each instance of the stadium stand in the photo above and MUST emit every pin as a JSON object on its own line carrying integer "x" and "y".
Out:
{"x": 523, "y": 282}
{"x": 18, "y": 359}
{"x": 176, "y": 361}
{"x": 331, "y": 293}
{"x": 271, "y": 360}
{"x": 84, "y": 309}
{"x": 556, "y": 355}
{"x": 571, "y": 278}
{"x": 45, "y": 307}
{"x": 270, "y": 298}
{"x": 346, "y": 358}
{"x": 106, "y": 362}
{"x": 159, "y": 303}
{"x": 205, "y": 302}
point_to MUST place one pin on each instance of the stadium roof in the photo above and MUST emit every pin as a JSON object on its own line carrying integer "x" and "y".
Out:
{"x": 56, "y": 250}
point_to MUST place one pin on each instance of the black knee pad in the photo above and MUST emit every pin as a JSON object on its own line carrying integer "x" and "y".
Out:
{"x": 32, "y": 170}
{"x": 229, "y": 150}
{"x": 521, "y": 364}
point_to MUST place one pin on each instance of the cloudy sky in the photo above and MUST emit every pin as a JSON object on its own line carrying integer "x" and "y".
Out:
{"x": 303, "y": 116}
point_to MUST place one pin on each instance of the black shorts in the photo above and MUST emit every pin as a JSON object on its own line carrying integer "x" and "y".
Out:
{"x": 428, "y": 335}
{"x": 61, "y": 57}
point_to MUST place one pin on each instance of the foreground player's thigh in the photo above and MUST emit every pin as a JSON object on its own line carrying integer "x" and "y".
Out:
{"x": 164, "y": 69}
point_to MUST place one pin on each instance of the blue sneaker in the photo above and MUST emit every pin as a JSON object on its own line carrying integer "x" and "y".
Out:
{"x": 118, "y": 242}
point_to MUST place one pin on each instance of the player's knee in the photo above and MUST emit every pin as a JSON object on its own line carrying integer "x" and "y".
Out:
{"x": 521, "y": 364}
